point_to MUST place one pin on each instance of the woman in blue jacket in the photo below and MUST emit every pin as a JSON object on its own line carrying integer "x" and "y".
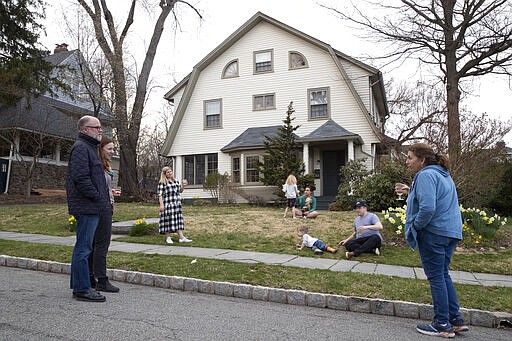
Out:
{"x": 434, "y": 226}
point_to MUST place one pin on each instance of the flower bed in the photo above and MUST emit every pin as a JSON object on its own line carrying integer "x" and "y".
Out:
{"x": 477, "y": 225}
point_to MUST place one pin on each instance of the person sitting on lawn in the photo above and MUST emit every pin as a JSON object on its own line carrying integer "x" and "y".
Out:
{"x": 366, "y": 236}
{"x": 306, "y": 205}
{"x": 315, "y": 244}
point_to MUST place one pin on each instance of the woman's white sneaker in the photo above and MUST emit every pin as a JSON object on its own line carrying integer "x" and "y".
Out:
{"x": 169, "y": 240}
{"x": 185, "y": 240}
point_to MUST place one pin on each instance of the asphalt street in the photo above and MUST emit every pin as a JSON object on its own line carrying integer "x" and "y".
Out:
{"x": 36, "y": 305}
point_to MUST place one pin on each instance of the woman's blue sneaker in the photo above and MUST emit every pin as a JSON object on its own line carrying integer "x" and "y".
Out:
{"x": 436, "y": 329}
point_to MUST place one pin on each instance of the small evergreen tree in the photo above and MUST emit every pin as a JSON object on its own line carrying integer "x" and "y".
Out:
{"x": 282, "y": 158}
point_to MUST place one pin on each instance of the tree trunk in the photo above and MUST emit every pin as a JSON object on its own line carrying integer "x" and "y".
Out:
{"x": 452, "y": 83}
{"x": 128, "y": 140}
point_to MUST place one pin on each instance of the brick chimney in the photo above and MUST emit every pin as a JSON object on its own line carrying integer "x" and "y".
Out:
{"x": 60, "y": 48}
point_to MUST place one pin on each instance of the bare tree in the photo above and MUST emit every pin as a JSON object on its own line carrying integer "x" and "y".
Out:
{"x": 111, "y": 43}
{"x": 93, "y": 68}
{"x": 415, "y": 110}
{"x": 418, "y": 112}
{"x": 464, "y": 38}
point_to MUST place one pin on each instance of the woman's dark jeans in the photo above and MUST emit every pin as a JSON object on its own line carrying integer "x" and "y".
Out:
{"x": 98, "y": 256}
{"x": 436, "y": 253}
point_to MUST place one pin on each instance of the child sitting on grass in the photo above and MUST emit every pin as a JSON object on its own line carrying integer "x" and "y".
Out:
{"x": 315, "y": 244}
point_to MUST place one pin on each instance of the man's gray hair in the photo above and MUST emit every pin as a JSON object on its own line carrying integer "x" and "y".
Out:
{"x": 83, "y": 121}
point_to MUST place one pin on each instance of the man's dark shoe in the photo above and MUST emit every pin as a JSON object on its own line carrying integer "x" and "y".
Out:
{"x": 90, "y": 295}
{"x": 93, "y": 281}
{"x": 105, "y": 285}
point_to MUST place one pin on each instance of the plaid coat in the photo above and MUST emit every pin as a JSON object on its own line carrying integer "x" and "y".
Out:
{"x": 171, "y": 219}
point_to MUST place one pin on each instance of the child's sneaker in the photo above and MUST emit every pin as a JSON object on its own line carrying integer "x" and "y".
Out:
{"x": 318, "y": 252}
{"x": 436, "y": 329}
{"x": 334, "y": 250}
{"x": 376, "y": 251}
{"x": 459, "y": 326}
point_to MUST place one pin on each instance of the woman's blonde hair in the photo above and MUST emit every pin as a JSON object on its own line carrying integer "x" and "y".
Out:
{"x": 291, "y": 180}
{"x": 163, "y": 178}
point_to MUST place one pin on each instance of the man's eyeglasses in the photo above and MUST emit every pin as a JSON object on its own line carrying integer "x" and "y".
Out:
{"x": 95, "y": 127}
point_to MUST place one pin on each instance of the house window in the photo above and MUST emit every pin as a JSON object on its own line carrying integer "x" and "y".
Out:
{"x": 213, "y": 163}
{"x": 318, "y": 103}
{"x": 212, "y": 113}
{"x": 297, "y": 60}
{"x": 197, "y": 167}
{"x": 263, "y": 61}
{"x": 231, "y": 69}
{"x": 236, "y": 170}
{"x": 263, "y": 102}
{"x": 252, "y": 174}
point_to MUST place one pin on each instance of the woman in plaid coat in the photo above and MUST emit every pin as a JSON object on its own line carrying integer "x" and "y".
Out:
{"x": 171, "y": 216}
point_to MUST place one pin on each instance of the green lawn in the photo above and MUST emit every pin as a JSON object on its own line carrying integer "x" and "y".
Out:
{"x": 253, "y": 229}
{"x": 263, "y": 229}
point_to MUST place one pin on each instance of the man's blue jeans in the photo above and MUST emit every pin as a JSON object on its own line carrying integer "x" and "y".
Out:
{"x": 436, "y": 253}
{"x": 85, "y": 227}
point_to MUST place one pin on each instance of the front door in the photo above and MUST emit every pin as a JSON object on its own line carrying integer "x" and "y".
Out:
{"x": 3, "y": 174}
{"x": 332, "y": 162}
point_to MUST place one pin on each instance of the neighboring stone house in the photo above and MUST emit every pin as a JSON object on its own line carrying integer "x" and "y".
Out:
{"x": 240, "y": 92}
{"x": 45, "y": 123}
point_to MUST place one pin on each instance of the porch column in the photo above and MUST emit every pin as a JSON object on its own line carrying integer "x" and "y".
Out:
{"x": 57, "y": 152}
{"x": 242, "y": 169}
{"x": 305, "y": 157}
{"x": 350, "y": 147}
{"x": 177, "y": 165}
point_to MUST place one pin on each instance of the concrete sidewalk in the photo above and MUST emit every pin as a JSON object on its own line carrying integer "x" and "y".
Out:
{"x": 342, "y": 265}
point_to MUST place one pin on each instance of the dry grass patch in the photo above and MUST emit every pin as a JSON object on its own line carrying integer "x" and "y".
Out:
{"x": 269, "y": 223}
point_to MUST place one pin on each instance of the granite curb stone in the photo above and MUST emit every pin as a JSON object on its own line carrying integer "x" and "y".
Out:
{"x": 242, "y": 291}
{"x": 296, "y": 297}
{"x": 474, "y": 317}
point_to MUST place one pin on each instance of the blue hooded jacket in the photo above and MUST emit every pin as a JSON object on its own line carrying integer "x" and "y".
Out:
{"x": 433, "y": 205}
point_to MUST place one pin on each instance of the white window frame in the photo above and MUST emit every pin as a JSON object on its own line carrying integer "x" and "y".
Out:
{"x": 259, "y": 58}
{"x": 239, "y": 170}
{"x": 292, "y": 65}
{"x": 206, "y": 114}
{"x": 264, "y": 99}
{"x": 246, "y": 169}
{"x": 328, "y": 104}
{"x": 206, "y": 162}
{"x": 227, "y": 68}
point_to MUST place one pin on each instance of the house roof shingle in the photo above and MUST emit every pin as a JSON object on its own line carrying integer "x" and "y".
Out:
{"x": 330, "y": 130}
{"x": 254, "y": 138}
{"x": 47, "y": 115}
{"x": 251, "y": 138}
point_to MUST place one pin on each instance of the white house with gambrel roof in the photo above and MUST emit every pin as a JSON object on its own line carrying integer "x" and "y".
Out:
{"x": 240, "y": 92}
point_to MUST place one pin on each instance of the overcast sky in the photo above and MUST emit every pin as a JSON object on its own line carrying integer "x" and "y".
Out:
{"x": 180, "y": 50}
